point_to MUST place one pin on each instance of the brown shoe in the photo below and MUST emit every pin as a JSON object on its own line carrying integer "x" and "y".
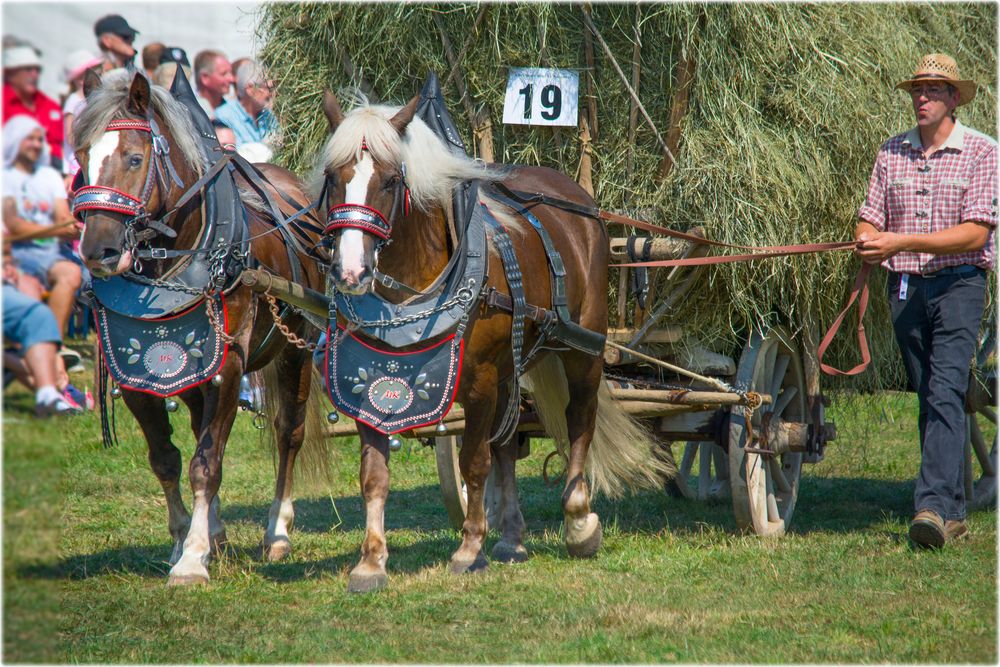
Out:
{"x": 927, "y": 529}
{"x": 955, "y": 530}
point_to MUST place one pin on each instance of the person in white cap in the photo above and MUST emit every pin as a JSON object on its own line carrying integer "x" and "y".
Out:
{"x": 75, "y": 67}
{"x": 21, "y": 97}
{"x": 929, "y": 219}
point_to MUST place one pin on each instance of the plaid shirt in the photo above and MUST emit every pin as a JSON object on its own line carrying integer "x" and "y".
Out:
{"x": 911, "y": 194}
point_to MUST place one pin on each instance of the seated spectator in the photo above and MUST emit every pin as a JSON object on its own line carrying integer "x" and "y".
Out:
{"x": 35, "y": 206}
{"x": 213, "y": 77}
{"x": 151, "y": 57}
{"x": 21, "y": 97}
{"x": 115, "y": 37}
{"x": 75, "y": 67}
{"x": 165, "y": 73}
{"x": 171, "y": 58}
{"x": 31, "y": 326}
{"x": 250, "y": 117}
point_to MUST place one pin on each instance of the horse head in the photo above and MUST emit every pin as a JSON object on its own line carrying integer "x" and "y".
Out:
{"x": 127, "y": 176}
{"x": 365, "y": 181}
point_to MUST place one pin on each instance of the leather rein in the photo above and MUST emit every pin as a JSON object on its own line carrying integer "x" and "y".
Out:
{"x": 859, "y": 291}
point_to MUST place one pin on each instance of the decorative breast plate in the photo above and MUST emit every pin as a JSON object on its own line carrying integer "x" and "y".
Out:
{"x": 392, "y": 391}
{"x": 166, "y": 356}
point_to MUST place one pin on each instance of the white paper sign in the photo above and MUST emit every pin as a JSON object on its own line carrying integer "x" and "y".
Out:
{"x": 541, "y": 96}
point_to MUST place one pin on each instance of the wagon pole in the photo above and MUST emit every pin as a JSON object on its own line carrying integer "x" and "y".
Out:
{"x": 684, "y": 80}
{"x": 588, "y": 117}
{"x": 631, "y": 91}
{"x": 480, "y": 123}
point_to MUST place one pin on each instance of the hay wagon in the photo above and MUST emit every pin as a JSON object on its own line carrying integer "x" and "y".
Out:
{"x": 742, "y": 427}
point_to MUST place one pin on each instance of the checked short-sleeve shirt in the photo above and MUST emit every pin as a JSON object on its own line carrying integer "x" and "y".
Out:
{"x": 911, "y": 194}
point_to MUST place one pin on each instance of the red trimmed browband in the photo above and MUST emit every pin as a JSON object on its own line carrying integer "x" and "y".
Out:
{"x": 128, "y": 124}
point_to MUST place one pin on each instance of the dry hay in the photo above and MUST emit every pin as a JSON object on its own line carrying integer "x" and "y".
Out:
{"x": 788, "y": 108}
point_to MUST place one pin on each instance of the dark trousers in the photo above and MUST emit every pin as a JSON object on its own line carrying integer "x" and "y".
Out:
{"x": 937, "y": 327}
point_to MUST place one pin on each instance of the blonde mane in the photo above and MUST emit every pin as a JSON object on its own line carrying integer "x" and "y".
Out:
{"x": 432, "y": 170}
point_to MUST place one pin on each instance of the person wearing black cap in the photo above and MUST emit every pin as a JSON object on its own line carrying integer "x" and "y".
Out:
{"x": 115, "y": 37}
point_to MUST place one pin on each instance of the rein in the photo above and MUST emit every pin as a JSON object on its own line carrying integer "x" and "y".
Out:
{"x": 859, "y": 291}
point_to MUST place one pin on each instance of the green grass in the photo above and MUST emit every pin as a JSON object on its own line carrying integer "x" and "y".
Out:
{"x": 85, "y": 545}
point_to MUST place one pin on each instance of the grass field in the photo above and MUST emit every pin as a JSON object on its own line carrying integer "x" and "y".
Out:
{"x": 85, "y": 545}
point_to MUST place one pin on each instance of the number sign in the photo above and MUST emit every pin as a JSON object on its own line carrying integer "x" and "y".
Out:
{"x": 540, "y": 96}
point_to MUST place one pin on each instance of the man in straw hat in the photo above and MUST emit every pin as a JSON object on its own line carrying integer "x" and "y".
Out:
{"x": 929, "y": 219}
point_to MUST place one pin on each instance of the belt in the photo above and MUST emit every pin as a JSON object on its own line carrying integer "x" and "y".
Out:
{"x": 960, "y": 270}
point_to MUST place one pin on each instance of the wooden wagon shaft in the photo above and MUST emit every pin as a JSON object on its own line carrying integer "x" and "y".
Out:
{"x": 660, "y": 249}
{"x": 293, "y": 293}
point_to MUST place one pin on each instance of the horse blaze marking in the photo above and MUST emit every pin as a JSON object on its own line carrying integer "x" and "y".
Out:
{"x": 102, "y": 149}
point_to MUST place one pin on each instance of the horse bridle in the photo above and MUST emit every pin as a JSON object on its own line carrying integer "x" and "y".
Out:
{"x": 366, "y": 218}
{"x": 139, "y": 225}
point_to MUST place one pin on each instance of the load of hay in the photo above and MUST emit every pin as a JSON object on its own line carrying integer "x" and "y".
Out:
{"x": 785, "y": 108}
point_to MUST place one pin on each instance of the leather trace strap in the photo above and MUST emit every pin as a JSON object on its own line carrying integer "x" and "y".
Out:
{"x": 859, "y": 293}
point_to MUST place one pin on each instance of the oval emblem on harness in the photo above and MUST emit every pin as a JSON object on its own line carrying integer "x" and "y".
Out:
{"x": 390, "y": 395}
{"x": 164, "y": 358}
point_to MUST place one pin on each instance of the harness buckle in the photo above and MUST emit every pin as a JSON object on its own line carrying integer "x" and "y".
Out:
{"x": 160, "y": 145}
{"x": 157, "y": 253}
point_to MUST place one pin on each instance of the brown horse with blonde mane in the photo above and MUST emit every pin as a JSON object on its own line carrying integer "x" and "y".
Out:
{"x": 137, "y": 144}
{"x": 390, "y": 182}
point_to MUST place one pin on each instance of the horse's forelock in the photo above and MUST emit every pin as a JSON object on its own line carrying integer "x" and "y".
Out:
{"x": 432, "y": 170}
{"x": 108, "y": 103}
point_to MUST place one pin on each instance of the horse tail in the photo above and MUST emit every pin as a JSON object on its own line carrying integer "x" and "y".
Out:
{"x": 622, "y": 453}
{"x": 313, "y": 461}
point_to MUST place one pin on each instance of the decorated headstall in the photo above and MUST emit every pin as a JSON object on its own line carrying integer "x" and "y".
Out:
{"x": 366, "y": 218}
{"x": 133, "y": 210}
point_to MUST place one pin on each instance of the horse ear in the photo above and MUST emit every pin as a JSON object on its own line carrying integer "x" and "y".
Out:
{"x": 405, "y": 115}
{"x": 91, "y": 82}
{"x": 138, "y": 96}
{"x": 334, "y": 114}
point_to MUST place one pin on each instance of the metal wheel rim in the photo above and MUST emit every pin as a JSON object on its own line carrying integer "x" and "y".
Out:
{"x": 765, "y": 489}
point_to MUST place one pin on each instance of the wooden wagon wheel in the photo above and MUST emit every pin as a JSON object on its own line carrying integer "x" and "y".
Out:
{"x": 765, "y": 487}
{"x": 453, "y": 488}
{"x": 713, "y": 473}
{"x": 982, "y": 493}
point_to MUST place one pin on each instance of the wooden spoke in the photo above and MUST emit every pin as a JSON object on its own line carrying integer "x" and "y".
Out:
{"x": 764, "y": 489}
{"x": 784, "y": 399}
{"x": 979, "y": 443}
{"x": 712, "y": 473}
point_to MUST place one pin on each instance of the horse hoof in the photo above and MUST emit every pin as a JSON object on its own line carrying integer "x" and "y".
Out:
{"x": 505, "y": 552}
{"x": 278, "y": 550}
{"x": 187, "y": 580}
{"x": 479, "y": 564}
{"x": 583, "y": 538}
{"x": 366, "y": 583}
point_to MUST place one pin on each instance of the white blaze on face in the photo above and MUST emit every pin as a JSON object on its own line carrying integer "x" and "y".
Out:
{"x": 104, "y": 148}
{"x": 352, "y": 249}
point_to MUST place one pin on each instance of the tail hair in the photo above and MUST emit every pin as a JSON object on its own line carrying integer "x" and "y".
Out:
{"x": 313, "y": 462}
{"x": 622, "y": 453}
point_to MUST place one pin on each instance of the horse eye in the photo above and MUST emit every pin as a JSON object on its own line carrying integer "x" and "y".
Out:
{"x": 391, "y": 182}
{"x": 134, "y": 161}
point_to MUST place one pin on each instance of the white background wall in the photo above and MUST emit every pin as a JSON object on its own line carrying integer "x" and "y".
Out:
{"x": 59, "y": 28}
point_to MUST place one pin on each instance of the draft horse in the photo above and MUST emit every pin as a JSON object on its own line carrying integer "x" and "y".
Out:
{"x": 390, "y": 183}
{"x": 139, "y": 146}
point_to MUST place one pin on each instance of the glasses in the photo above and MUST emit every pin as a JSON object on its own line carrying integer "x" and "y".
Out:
{"x": 937, "y": 90}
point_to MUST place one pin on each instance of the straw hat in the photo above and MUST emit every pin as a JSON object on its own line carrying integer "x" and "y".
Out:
{"x": 937, "y": 68}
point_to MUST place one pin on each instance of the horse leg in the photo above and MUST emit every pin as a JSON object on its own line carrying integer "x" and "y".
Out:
{"x": 369, "y": 574}
{"x": 474, "y": 462}
{"x": 164, "y": 459}
{"x": 510, "y": 548}
{"x": 195, "y": 402}
{"x": 290, "y": 430}
{"x": 583, "y": 527}
{"x": 205, "y": 473}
